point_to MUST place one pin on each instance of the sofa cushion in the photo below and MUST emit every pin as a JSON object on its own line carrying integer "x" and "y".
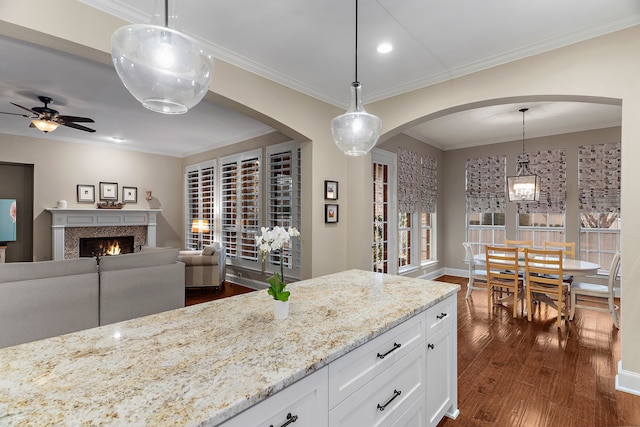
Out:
{"x": 45, "y": 307}
{"x": 211, "y": 249}
{"x": 140, "y": 259}
{"x": 18, "y": 271}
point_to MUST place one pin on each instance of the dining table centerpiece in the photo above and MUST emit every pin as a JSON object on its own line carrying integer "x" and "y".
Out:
{"x": 271, "y": 240}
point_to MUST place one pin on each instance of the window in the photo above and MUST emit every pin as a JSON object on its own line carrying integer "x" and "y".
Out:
{"x": 599, "y": 199}
{"x": 240, "y": 201}
{"x": 200, "y": 203}
{"x": 485, "y": 199}
{"x": 599, "y": 238}
{"x": 541, "y": 227}
{"x": 426, "y": 240}
{"x": 404, "y": 239}
{"x": 284, "y": 201}
{"x": 417, "y": 198}
{"x": 485, "y": 229}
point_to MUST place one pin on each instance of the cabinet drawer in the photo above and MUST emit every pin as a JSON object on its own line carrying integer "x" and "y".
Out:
{"x": 353, "y": 370}
{"x": 305, "y": 400}
{"x": 414, "y": 416}
{"x": 395, "y": 390}
{"x": 439, "y": 316}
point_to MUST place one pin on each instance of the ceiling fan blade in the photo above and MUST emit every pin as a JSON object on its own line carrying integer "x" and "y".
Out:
{"x": 14, "y": 114}
{"x": 25, "y": 108}
{"x": 77, "y": 126}
{"x": 75, "y": 119}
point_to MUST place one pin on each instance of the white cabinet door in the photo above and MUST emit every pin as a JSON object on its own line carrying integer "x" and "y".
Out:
{"x": 440, "y": 375}
{"x": 302, "y": 404}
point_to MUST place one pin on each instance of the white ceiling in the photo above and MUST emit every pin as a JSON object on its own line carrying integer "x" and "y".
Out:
{"x": 309, "y": 46}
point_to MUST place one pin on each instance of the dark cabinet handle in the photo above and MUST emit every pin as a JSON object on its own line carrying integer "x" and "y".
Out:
{"x": 290, "y": 420}
{"x": 395, "y": 347}
{"x": 431, "y": 346}
{"x": 396, "y": 393}
{"x": 441, "y": 316}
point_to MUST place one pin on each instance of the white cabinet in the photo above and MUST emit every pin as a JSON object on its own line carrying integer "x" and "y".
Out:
{"x": 302, "y": 404}
{"x": 441, "y": 343}
{"x": 406, "y": 377}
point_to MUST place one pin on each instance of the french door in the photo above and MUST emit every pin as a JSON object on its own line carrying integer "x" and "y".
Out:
{"x": 384, "y": 248}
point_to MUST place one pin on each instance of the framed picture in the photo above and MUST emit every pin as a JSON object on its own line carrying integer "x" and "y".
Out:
{"x": 331, "y": 190}
{"x": 330, "y": 213}
{"x": 108, "y": 191}
{"x": 86, "y": 193}
{"x": 130, "y": 194}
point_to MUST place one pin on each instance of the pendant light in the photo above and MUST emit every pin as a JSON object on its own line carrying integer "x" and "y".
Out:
{"x": 166, "y": 70}
{"x": 524, "y": 186}
{"x": 356, "y": 131}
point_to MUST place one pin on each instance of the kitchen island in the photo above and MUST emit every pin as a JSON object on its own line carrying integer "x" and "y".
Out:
{"x": 204, "y": 364}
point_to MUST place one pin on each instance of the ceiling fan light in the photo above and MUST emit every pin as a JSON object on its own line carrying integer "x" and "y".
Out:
{"x": 45, "y": 126}
{"x": 167, "y": 71}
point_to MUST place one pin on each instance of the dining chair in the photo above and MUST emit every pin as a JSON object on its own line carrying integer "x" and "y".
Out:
{"x": 568, "y": 251}
{"x": 520, "y": 244}
{"x": 543, "y": 277}
{"x": 502, "y": 277}
{"x": 477, "y": 278}
{"x": 600, "y": 297}
{"x": 568, "y": 248}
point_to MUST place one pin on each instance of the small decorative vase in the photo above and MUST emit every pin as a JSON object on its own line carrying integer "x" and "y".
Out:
{"x": 280, "y": 309}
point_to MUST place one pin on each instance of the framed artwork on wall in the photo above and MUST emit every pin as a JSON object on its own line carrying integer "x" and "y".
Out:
{"x": 130, "y": 194}
{"x": 86, "y": 193}
{"x": 331, "y": 190}
{"x": 108, "y": 191}
{"x": 330, "y": 213}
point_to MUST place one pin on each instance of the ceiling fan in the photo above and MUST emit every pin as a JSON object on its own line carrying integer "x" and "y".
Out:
{"x": 47, "y": 119}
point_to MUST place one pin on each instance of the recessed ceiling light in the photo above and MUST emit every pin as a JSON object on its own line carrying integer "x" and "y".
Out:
{"x": 385, "y": 47}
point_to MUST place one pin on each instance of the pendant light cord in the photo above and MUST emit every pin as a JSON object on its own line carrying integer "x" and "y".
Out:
{"x": 356, "y": 68}
{"x": 524, "y": 110}
{"x": 166, "y": 13}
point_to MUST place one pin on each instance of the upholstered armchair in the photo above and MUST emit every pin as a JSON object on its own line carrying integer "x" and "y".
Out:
{"x": 206, "y": 267}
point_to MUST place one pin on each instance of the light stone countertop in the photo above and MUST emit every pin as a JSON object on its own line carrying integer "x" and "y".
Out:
{"x": 203, "y": 363}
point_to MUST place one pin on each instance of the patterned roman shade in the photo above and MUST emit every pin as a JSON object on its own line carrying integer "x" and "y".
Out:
{"x": 551, "y": 167}
{"x": 429, "y": 185}
{"x": 599, "y": 177}
{"x": 486, "y": 184}
{"x": 417, "y": 182}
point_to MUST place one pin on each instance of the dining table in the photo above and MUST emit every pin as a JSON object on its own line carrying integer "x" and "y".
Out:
{"x": 571, "y": 267}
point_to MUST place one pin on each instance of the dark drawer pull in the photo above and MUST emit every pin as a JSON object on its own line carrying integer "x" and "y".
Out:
{"x": 395, "y": 347}
{"x": 290, "y": 420}
{"x": 441, "y": 316}
{"x": 431, "y": 346}
{"x": 396, "y": 393}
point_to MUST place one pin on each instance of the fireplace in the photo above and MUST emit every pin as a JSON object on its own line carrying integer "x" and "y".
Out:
{"x": 102, "y": 246}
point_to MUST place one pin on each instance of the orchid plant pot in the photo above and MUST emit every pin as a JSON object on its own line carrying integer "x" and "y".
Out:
{"x": 280, "y": 309}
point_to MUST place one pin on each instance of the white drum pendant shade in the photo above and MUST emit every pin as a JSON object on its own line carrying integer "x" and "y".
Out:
{"x": 167, "y": 71}
{"x": 356, "y": 132}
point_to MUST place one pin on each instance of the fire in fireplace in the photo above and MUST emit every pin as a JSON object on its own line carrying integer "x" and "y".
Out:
{"x": 103, "y": 246}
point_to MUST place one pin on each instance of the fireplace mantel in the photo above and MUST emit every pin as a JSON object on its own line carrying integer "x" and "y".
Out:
{"x": 63, "y": 218}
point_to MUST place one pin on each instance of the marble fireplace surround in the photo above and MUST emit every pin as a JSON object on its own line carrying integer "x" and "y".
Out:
{"x": 69, "y": 225}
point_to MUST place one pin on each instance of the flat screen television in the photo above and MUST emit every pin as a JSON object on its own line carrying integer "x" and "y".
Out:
{"x": 7, "y": 220}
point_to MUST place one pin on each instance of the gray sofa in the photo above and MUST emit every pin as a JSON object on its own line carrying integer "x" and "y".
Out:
{"x": 44, "y": 299}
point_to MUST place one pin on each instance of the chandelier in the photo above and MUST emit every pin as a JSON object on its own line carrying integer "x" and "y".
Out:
{"x": 525, "y": 185}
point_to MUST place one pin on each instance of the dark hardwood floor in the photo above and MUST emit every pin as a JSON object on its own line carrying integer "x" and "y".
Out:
{"x": 200, "y": 295}
{"x": 512, "y": 372}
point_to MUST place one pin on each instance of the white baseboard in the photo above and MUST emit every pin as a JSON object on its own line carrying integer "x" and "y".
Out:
{"x": 627, "y": 381}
